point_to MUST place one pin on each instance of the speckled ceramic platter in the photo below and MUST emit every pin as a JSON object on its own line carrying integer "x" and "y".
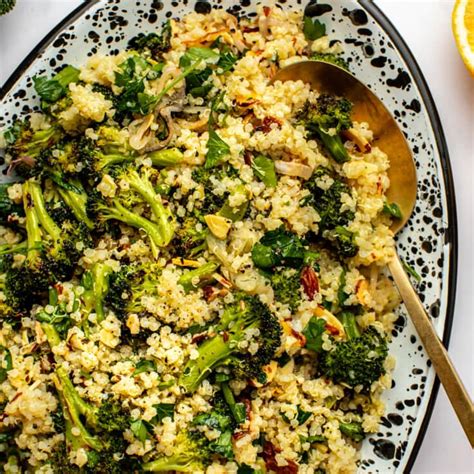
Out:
{"x": 379, "y": 57}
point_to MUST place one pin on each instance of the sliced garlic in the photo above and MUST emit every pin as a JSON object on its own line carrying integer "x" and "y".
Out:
{"x": 218, "y": 225}
{"x": 140, "y": 132}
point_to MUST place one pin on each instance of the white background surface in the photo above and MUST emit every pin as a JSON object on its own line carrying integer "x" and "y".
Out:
{"x": 426, "y": 27}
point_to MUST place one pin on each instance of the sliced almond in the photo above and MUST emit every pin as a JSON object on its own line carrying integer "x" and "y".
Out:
{"x": 218, "y": 225}
{"x": 270, "y": 371}
{"x": 361, "y": 142}
{"x": 292, "y": 168}
{"x": 333, "y": 325}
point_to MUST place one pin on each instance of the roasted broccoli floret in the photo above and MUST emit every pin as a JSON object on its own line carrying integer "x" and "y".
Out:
{"x": 331, "y": 58}
{"x": 8, "y": 208}
{"x": 190, "y": 237}
{"x": 6, "y": 6}
{"x": 96, "y": 429}
{"x": 325, "y": 119}
{"x": 129, "y": 285}
{"x": 24, "y": 146}
{"x": 286, "y": 286}
{"x": 156, "y": 44}
{"x": 245, "y": 319}
{"x": 191, "y": 279}
{"x": 328, "y": 201}
{"x": 357, "y": 361}
{"x": 159, "y": 228}
{"x": 342, "y": 241}
{"x": 52, "y": 249}
{"x": 191, "y": 455}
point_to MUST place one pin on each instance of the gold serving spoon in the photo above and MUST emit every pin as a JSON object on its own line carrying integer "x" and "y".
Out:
{"x": 367, "y": 107}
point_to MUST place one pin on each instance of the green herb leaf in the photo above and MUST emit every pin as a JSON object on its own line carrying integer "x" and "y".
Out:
{"x": 51, "y": 90}
{"x": 353, "y": 430}
{"x": 245, "y": 469}
{"x": 217, "y": 150}
{"x": 392, "y": 210}
{"x": 278, "y": 248}
{"x": 264, "y": 169}
{"x": 283, "y": 360}
{"x": 411, "y": 271}
{"x": 163, "y": 410}
{"x": 223, "y": 445}
{"x": 341, "y": 295}
{"x": 144, "y": 365}
{"x": 140, "y": 430}
{"x": 313, "y": 333}
{"x": 226, "y": 61}
{"x": 302, "y": 416}
{"x": 313, "y": 29}
{"x": 313, "y": 439}
{"x": 214, "y": 420}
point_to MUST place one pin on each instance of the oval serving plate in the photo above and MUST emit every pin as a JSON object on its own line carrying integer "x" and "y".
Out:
{"x": 379, "y": 57}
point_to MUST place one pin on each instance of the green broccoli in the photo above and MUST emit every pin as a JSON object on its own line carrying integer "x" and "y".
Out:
{"x": 352, "y": 430}
{"x": 96, "y": 285}
{"x": 160, "y": 228}
{"x": 156, "y": 44}
{"x": 191, "y": 455}
{"x": 129, "y": 285}
{"x": 190, "y": 237}
{"x": 324, "y": 119}
{"x": 286, "y": 286}
{"x": 222, "y": 350}
{"x": 202, "y": 273}
{"x": 331, "y": 58}
{"x": 6, "y": 6}
{"x": 357, "y": 361}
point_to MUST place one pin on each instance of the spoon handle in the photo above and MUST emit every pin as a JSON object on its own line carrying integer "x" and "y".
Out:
{"x": 435, "y": 349}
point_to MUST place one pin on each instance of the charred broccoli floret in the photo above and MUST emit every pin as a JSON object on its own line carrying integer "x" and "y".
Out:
{"x": 357, "y": 361}
{"x": 325, "y": 119}
{"x": 156, "y": 44}
{"x": 190, "y": 237}
{"x": 190, "y": 455}
{"x": 246, "y": 318}
{"x": 286, "y": 286}
{"x": 159, "y": 228}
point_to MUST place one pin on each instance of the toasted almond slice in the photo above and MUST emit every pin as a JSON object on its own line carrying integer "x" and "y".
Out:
{"x": 333, "y": 325}
{"x": 361, "y": 142}
{"x": 218, "y": 225}
{"x": 292, "y": 168}
{"x": 223, "y": 281}
{"x": 270, "y": 371}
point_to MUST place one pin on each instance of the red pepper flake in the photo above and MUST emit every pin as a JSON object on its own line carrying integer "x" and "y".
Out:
{"x": 248, "y": 408}
{"x": 266, "y": 125}
{"x": 225, "y": 336}
{"x": 267, "y": 11}
{"x": 59, "y": 288}
{"x": 250, "y": 29}
{"x": 239, "y": 434}
{"x": 299, "y": 337}
{"x": 310, "y": 282}
{"x": 269, "y": 453}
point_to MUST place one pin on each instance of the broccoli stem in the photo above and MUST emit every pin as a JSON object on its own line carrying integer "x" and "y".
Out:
{"x": 187, "y": 278}
{"x": 75, "y": 407}
{"x": 51, "y": 334}
{"x": 20, "y": 247}
{"x": 121, "y": 213}
{"x": 44, "y": 218}
{"x": 144, "y": 188}
{"x": 211, "y": 353}
{"x": 334, "y": 145}
{"x": 33, "y": 231}
{"x": 77, "y": 203}
{"x": 350, "y": 325}
{"x": 105, "y": 161}
{"x": 163, "y": 158}
{"x": 353, "y": 430}
{"x": 179, "y": 463}
{"x": 100, "y": 286}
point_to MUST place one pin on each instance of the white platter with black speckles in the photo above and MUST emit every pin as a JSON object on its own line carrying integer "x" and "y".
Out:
{"x": 379, "y": 57}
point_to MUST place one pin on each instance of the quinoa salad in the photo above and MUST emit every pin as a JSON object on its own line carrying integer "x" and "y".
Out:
{"x": 193, "y": 260}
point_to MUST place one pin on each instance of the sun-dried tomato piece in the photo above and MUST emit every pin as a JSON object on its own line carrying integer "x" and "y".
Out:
{"x": 269, "y": 453}
{"x": 309, "y": 280}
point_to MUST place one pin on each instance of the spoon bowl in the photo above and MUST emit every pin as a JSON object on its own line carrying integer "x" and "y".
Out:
{"x": 367, "y": 107}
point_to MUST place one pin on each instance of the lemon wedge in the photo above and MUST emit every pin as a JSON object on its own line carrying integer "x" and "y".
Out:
{"x": 463, "y": 28}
